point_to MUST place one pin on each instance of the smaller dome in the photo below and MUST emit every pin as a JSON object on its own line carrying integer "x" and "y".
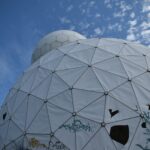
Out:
{"x": 54, "y": 40}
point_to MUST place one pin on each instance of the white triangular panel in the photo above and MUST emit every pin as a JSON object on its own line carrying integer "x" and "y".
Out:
{"x": 109, "y": 80}
{"x": 129, "y": 51}
{"x": 40, "y": 76}
{"x": 13, "y": 132}
{"x": 56, "y": 112}
{"x": 143, "y": 80}
{"x": 89, "y": 81}
{"x": 74, "y": 74}
{"x": 114, "y": 63}
{"x": 138, "y": 60}
{"x": 126, "y": 95}
{"x": 101, "y": 140}
{"x": 19, "y": 116}
{"x": 69, "y": 62}
{"x": 34, "y": 106}
{"x": 131, "y": 68}
{"x": 57, "y": 86}
{"x": 40, "y": 124}
{"x": 143, "y": 97}
{"x": 63, "y": 100}
{"x": 82, "y": 98}
{"x": 95, "y": 110}
{"x": 42, "y": 90}
{"x": 101, "y": 55}
{"x": 84, "y": 55}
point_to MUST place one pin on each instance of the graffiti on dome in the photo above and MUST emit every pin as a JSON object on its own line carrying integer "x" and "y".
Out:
{"x": 34, "y": 143}
{"x": 76, "y": 126}
{"x": 57, "y": 145}
{"x": 145, "y": 124}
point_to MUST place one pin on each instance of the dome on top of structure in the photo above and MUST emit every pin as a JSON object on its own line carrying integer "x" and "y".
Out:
{"x": 54, "y": 40}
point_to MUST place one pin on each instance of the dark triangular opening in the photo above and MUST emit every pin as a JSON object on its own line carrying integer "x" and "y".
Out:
{"x": 120, "y": 133}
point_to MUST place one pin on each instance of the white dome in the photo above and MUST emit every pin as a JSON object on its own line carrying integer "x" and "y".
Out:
{"x": 92, "y": 94}
{"x": 54, "y": 40}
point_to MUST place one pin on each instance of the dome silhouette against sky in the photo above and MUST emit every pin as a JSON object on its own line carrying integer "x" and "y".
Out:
{"x": 89, "y": 94}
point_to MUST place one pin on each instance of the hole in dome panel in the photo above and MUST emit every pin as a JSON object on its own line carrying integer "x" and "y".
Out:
{"x": 4, "y": 114}
{"x": 123, "y": 132}
{"x": 120, "y": 133}
{"x": 116, "y": 110}
{"x": 113, "y": 112}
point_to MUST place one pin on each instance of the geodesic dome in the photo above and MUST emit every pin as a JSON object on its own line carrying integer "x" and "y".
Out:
{"x": 55, "y": 40}
{"x": 91, "y": 94}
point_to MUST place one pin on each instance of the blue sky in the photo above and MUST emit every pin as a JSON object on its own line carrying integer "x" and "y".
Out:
{"x": 24, "y": 22}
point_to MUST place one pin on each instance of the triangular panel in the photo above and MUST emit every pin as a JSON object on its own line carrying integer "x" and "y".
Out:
{"x": 89, "y": 81}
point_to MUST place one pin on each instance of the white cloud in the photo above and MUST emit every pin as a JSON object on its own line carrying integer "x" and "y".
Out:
{"x": 91, "y": 3}
{"x": 108, "y": 3}
{"x": 146, "y": 33}
{"x": 97, "y": 15}
{"x": 139, "y": 28}
{"x": 145, "y": 25}
{"x": 123, "y": 9}
{"x": 115, "y": 27}
{"x": 98, "y": 31}
{"x": 72, "y": 27}
{"x": 69, "y": 8}
{"x": 132, "y": 15}
{"x": 131, "y": 37}
{"x": 146, "y": 7}
{"x": 133, "y": 22}
{"x": 118, "y": 14}
{"x": 64, "y": 20}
